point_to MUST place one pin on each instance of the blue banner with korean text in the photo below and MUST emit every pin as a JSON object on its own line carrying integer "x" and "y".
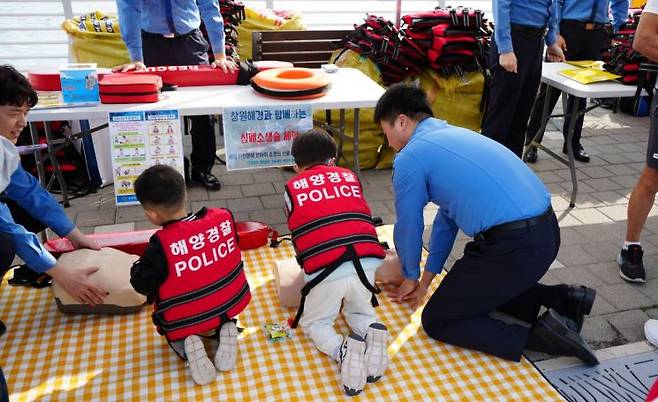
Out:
{"x": 261, "y": 137}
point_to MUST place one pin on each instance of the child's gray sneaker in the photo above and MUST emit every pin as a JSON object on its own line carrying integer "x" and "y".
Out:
{"x": 376, "y": 351}
{"x": 227, "y": 351}
{"x": 200, "y": 365}
{"x": 352, "y": 365}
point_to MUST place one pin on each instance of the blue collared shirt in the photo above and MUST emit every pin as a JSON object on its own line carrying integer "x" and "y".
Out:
{"x": 581, "y": 10}
{"x": 151, "y": 16}
{"x": 533, "y": 13}
{"x": 26, "y": 190}
{"x": 476, "y": 182}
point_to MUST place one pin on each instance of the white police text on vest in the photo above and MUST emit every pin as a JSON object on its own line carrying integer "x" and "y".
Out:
{"x": 328, "y": 193}
{"x": 207, "y": 258}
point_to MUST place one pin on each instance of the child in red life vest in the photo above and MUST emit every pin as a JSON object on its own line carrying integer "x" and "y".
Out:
{"x": 337, "y": 247}
{"x": 192, "y": 271}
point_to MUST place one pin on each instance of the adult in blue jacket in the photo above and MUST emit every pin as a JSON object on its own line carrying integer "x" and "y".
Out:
{"x": 582, "y": 35}
{"x": 166, "y": 33}
{"x": 27, "y": 198}
{"x": 486, "y": 191}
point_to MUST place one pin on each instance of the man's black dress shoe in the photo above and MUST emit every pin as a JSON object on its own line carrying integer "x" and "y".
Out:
{"x": 3, "y": 328}
{"x": 551, "y": 335}
{"x": 579, "y": 153}
{"x": 580, "y": 300}
{"x": 207, "y": 180}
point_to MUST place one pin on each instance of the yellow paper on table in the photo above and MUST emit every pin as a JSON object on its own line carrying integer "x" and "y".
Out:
{"x": 588, "y": 75}
{"x": 587, "y": 63}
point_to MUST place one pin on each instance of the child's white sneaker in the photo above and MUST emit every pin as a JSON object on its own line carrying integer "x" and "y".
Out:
{"x": 376, "y": 351}
{"x": 200, "y": 365}
{"x": 227, "y": 351}
{"x": 352, "y": 365}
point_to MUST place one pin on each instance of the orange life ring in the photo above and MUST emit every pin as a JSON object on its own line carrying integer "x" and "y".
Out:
{"x": 291, "y": 79}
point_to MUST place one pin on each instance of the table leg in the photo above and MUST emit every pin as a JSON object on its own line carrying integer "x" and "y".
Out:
{"x": 57, "y": 171}
{"x": 341, "y": 134}
{"x": 544, "y": 121}
{"x": 573, "y": 114}
{"x": 357, "y": 168}
{"x": 34, "y": 135}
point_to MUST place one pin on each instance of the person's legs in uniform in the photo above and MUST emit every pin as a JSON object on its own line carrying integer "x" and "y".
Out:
{"x": 493, "y": 274}
{"x": 582, "y": 44}
{"x": 510, "y": 99}
{"x": 530, "y": 60}
{"x": 631, "y": 267}
{"x": 502, "y": 99}
{"x": 191, "y": 49}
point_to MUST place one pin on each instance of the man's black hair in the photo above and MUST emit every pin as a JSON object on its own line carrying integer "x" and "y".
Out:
{"x": 402, "y": 98}
{"x": 313, "y": 146}
{"x": 15, "y": 89}
{"x": 160, "y": 186}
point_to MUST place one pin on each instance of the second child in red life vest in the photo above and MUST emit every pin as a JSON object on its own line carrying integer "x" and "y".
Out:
{"x": 337, "y": 247}
{"x": 192, "y": 271}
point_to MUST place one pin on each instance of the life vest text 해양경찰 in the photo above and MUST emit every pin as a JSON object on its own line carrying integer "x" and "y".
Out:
{"x": 208, "y": 246}
{"x": 341, "y": 187}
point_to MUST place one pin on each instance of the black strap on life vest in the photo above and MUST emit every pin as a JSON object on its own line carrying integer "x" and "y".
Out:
{"x": 335, "y": 243}
{"x": 350, "y": 254}
{"x": 328, "y": 220}
{"x": 219, "y": 311}
{"x": 200, "y": 293}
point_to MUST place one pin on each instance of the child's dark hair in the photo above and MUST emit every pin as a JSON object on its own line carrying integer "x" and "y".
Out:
{"x": 313, "y": 146}
{"x": 402, "y": 98}
{"x": 15, "y": 89}
{"x": 160, "y": 186}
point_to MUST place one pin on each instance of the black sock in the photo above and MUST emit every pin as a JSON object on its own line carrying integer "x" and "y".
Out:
{"x": 554, "y": 297}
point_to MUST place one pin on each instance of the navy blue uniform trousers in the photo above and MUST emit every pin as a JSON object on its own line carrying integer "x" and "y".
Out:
{"x": 499, "y": 272}
{"x": 511, "y": 95}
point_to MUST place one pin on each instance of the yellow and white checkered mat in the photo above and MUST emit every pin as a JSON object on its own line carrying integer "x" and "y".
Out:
{"x": 46, "y": 355}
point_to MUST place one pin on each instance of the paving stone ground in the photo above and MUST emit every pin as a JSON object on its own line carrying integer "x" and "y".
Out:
{"x": 592, "y": 232}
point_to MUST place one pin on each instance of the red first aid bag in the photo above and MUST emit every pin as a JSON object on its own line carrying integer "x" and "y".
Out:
{"x": 130, "y": 88}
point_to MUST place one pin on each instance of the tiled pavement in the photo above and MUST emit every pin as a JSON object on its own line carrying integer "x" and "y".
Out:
{"x": 591, "y": 233}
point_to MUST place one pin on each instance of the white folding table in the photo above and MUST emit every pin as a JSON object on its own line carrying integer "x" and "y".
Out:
{"x": 556, "y": 82}
{"x": 350, "y": 89}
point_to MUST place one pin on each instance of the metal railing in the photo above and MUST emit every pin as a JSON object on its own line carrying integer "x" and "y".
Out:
{"x": 31, "y": 35}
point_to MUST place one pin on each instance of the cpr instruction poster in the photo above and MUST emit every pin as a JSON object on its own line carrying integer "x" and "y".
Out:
{"x": 140, "y": 140}
{"x": 260, "y": 137}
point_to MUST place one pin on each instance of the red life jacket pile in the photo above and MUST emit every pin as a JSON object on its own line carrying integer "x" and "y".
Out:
{"x": 621, "y": 58}
{"x": 233, "y": 14}
{"x": 450, "y": 41}
{"x": 455, "y": 39}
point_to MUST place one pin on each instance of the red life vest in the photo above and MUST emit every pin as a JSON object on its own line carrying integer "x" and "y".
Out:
{"x": 206, "y": 284}
{"x": 327, "y": 213}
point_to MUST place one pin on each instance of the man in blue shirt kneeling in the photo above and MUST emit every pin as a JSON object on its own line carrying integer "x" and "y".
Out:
{"x": 485, "y": 190}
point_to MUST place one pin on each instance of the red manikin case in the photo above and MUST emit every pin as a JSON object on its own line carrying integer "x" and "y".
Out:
{"x": 130, "y": 88}
{"x": 250, "y": 235}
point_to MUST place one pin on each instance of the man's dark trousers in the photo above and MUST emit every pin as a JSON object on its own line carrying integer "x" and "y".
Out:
{"x": 498, "y": 272}
{"x": 185, "y": 50}
{"x": 511, "y": 95}
{"x": 582, "y": 44}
